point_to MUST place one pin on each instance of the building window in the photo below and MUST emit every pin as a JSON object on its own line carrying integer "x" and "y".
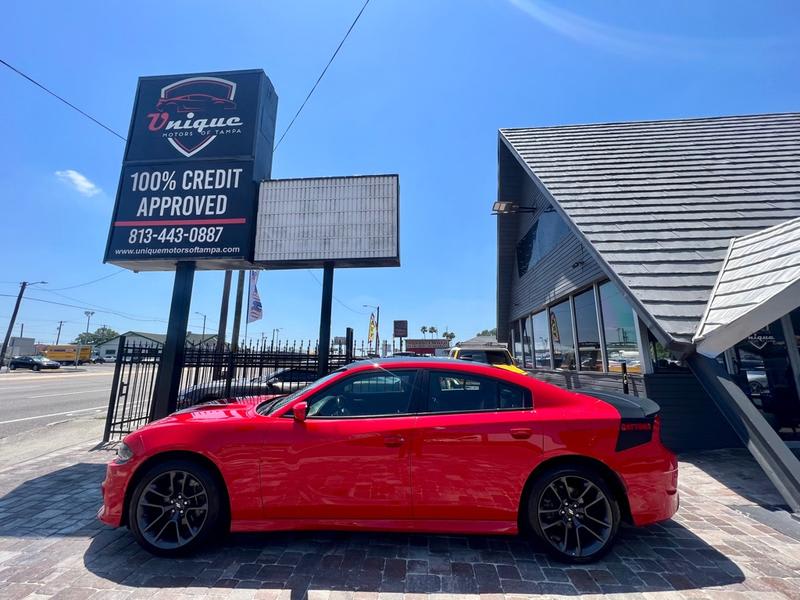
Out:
{"x": 663, "y": 360}
{"x": 541, "y": 340}
{"x": 527, "y": 342}
{"x": 516, "y": 341}
{"x": 589, "y": 355}
{"x": 620, "y": 330}
{"x": 541, "y": 238}
{"x": 561, "y": 334}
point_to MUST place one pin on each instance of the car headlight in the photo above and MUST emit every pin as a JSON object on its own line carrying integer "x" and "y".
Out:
{"x": 124, "y": 453}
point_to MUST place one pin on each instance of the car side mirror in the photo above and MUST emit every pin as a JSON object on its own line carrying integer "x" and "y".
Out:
{"x": 300, "y": 411}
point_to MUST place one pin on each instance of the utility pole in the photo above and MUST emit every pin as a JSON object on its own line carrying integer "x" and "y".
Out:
{"x": 203, "y": 336}
{"x": 22, "y": 286}
{"x": 58, "y": 336}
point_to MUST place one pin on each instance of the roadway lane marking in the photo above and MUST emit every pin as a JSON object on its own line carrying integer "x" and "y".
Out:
{"x": 69, "y": 412}
{"x": 67, "y": 393}
{"x": 7, "y": 378}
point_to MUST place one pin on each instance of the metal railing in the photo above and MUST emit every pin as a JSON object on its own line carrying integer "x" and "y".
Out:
{"x": 209, "y": 374}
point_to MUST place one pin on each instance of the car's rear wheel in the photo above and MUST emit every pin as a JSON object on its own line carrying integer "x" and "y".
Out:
{"x": 574, "y": 512}
{"x": 12, "y": 367}
{"x": 175, "y": 507}
{"x": 36, "y": 367}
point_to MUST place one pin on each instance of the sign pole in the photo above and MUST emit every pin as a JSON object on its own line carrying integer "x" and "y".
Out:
{"x": 325, "y": 319}
{"x": 168, "y": 378}
{"x": 237, "y": 312}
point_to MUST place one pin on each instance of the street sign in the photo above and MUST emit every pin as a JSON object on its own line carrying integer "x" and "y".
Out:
{"x": 342, "y": 221}
{"x": 400, "y": 329}
{"x": 196, "y": 147}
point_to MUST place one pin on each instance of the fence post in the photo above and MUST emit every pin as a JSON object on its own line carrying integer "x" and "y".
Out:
{"x": 112, "y": 401}
{"x": 229, "y": 374}
{"x": 348, "y": 344}
{"x": 624, "y": 366}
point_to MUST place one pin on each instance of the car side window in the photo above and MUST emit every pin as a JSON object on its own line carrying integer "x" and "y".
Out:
{"x": 450, "y": 392}
{"x": 371, "y": 394}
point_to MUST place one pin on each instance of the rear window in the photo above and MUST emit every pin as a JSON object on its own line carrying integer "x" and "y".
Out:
{"x": 451, "y": 392}
{"x": 490, "y": 357}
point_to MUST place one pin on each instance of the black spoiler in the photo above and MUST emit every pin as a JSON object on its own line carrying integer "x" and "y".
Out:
{"x": 629, "y": 407}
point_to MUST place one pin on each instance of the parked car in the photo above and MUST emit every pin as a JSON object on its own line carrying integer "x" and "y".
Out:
{"x": 96, "y": 359}
{"x": 490, "y": 451}
{"x": 497, "y": 356}
{"x": 34, "y": 363}
{"x": 282, "y": 381}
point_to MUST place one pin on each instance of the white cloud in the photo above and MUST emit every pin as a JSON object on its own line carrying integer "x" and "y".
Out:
{"x": 644, "y": 44}
{"x": 82, "y": 184}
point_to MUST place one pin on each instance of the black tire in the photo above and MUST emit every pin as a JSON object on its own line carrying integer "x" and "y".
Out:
{"x": 190, "y": 516}
{"x": 12, "y": 367}
{"x": 574, "y": 512}
{"x": 37, "y": 368}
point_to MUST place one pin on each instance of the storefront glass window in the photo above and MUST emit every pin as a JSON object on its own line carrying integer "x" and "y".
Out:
{"x": 516, "y": 341}
{"x": 527, "y": 341}
{"x": 541, "y": 340}
{"x": 620, "y": 330}
{"x": 765, "y": 374}
{"x": 561, "y": 334}
{"x": 588, "y": 332}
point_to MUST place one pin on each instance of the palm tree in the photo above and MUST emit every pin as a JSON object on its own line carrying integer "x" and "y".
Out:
{"x": 449, "y": 335}
{"x": 424, "y": 330}
{"x": 433, "y": 330}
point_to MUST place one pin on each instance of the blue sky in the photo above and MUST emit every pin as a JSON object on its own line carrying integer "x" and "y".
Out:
{"x": 420, "y": 89}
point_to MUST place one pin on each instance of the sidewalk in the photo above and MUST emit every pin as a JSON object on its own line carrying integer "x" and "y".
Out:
{"x": 51, "y": 545}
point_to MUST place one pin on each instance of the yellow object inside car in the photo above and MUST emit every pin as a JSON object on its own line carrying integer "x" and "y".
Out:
{"x": 496, "y": 356}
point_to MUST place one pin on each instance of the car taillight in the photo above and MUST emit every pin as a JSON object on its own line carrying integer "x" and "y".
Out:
{"x": 635, "y": 432}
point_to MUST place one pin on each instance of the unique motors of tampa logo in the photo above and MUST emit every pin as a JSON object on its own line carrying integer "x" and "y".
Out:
{"x": 191, "y": 113}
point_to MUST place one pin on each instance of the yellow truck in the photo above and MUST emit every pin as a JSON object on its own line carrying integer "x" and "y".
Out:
{"x": 65, "y": 353}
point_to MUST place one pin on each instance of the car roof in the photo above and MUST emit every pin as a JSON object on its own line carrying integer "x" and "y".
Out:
{"x": 420, "y": 361}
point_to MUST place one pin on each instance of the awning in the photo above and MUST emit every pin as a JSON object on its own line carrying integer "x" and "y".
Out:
{"x": 759, "y": 283}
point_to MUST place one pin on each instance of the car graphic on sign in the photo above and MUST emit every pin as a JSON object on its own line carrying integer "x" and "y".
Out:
{"x": 194, "y": 102}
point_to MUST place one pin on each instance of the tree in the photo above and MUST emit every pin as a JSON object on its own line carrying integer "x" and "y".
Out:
{"x": 492, "y": 331}
{"x": 424, "y": 330}
{"x": 100, "y": 336}
{"x": 449, "y": 335}
{"x": 433, "y": 330}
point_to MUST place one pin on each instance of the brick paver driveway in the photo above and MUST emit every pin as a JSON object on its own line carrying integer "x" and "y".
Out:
{"x": 52, "y": 546}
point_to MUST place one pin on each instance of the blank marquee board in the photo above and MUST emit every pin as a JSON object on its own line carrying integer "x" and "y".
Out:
{"x": 347, "y": 221}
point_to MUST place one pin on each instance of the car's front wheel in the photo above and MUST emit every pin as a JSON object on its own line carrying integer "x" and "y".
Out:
{"x": 574, "y": 512}
{"x": 175, "y": 507}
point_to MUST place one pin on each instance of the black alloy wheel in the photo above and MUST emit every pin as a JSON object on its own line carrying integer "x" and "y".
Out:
{"x": 575, "y": 514}
{"x": 36, "y": 368}
{"x": 175, "y": 507}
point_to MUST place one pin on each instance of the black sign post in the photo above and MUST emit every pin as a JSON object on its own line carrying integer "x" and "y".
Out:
{"x": 187, "y": 197}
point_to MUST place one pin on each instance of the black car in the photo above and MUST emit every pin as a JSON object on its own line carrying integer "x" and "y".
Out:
{"x": 276, "y": 382}
{"x": 34, "y": 363}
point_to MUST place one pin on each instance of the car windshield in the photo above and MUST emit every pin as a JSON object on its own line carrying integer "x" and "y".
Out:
{"x": 492, "y": 357}
{"x": 271, "y": 406}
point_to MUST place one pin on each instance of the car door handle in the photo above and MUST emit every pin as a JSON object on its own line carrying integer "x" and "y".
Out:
{"x": 521, "y": 433}
{"x": 393, "y": 441}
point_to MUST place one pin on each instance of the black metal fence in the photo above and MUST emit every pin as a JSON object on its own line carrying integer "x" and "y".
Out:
{"x": 209, "y": 374}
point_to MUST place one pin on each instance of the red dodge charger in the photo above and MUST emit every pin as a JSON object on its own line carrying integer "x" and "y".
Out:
{"x": 421, "y": 445}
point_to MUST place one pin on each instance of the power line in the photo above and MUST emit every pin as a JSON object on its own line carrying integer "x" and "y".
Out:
{"x": 70, "y": 287}
{"x": 65, "y": 101}
{"x": 84, "y": 307}
{"x": 358, "y": 312}
{"x": 321, "y": 75}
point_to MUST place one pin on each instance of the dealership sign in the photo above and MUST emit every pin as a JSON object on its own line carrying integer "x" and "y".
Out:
{"x": 196, "y": 147}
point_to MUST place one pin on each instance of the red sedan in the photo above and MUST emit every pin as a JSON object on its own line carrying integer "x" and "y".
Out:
{"x": 421, "y": 445}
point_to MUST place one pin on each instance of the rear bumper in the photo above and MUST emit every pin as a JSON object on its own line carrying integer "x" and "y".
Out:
{"x": 653, "y": 496}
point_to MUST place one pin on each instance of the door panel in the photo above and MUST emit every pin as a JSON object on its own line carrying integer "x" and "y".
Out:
{"x": 339, "y": 469}
{"x": 472, "y": 465}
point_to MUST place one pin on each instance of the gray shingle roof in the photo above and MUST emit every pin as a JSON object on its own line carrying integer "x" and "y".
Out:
{"x": 758, "y": 283}
{"x": 660, "y": 200}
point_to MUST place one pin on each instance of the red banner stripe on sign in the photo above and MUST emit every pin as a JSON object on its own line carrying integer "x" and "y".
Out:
{"x": 176, "y": 222}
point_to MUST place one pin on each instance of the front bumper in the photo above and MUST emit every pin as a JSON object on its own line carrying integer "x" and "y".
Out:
{"x": 113, "y": 488}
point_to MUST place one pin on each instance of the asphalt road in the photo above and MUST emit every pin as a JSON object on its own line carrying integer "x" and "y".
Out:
{"x": 29, "y": 401}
